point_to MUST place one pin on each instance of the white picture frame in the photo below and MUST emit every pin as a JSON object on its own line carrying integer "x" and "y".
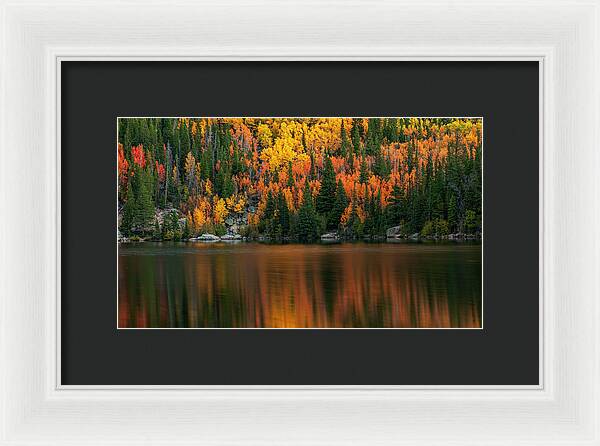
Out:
{"x": 563, "y": 36}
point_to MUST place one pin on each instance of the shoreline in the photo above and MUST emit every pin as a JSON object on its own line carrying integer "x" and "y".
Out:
{"x": 382, "y": 240}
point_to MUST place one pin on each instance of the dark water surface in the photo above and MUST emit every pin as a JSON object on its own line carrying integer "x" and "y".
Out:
{"x": 231, "y": 285}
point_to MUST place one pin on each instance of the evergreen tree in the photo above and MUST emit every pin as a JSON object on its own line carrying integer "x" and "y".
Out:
{"x": 313, "y": 168}
{"x": 369, "y": 224}
{"x": 175, "y": 225}
{"x": 326, "y": 196}
{"x": 350, "y": 160}
{"x": 283, "y": 214}
{"x": 184, "y": 138}
{"x": 166, "y": 232}
{"x": 452, "y": 213}
{"x": 381, "y": 167}
{"x": 354, "y": 228}
{"x": 224, "y": 186}
{"x": 339, "y": 206}
{"x": 236, "y": 162}
{"x": 128, "y": 211}
{"x": 290, "y": 176}
{"x": 307, "y": 227}
{"x": 270, "y": 207}
{"x": 186, "y": 231}
{"x": 373, "y": 136}
{"x": 205, "y": 165}
{"x": 344, "y": 144}
{"x": 378, "y": 221}
{"x": 364, "y": 171}
{"x": 355, "y": 137}
{"x": 143, "y": 208}
{"x": 395, "y": 210}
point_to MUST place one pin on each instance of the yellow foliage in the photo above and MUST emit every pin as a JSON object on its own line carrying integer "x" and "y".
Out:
{"x": 208, "y": 188}
{"x": 220, "y": 210}
{"x": 265, "y": 136}
{"x": 235, "y": 204}
{"x": 200, "y": 215}
{"x": 287, "y": 146}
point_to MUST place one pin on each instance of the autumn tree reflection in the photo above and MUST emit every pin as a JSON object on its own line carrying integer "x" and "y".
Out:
{"x": 300, "y": 286}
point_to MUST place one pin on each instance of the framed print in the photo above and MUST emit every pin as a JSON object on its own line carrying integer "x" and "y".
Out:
{"x": 309, "y": 282}
{"x": 353, "y": 223}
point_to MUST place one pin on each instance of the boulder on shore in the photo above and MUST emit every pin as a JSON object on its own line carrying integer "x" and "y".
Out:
{"x": 208, "y": 238}
{"x": 394, "y": 232}
{"x": 231, "y": 237}
{"x": 414, "y": 236}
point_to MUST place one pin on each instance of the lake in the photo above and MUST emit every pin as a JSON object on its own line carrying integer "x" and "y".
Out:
{"x": 253, "y": 285}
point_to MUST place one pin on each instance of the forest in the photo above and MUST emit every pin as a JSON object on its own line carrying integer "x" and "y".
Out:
{"x": 298, "y": 179}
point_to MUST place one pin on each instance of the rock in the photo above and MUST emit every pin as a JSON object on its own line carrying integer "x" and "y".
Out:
{"x": 208, "y": 238}
{"x": 231, "y": 237}
{"x": 394, "y": 232}
{"x": 414, "y": 236}
{"x": 330, "y": 236}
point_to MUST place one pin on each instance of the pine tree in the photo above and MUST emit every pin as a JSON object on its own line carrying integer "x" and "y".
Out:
{"x": 368, "y": 226}
{"x": 339, "y": 206}
{"x": 381, "y": 166}
{"x": 290, "y": 176}
{"x": 143, "y": 205}
{"x": 283, "y": 214}
{"x": 326, "y": 196}
{"x": 128, "y": 211}
{"x": 184, "y": 138}
{"x": 344, "y": 144}
{"x": 356, "y": 136}
{"x": 175, "y": 225}
{"x": 307, "y": 218}
{"x": 378, "y": 222}
{"x": 452, "y": 213}
{"x": 364, "y": 171}
{"x": 186, "y": 231}
{"x": 313, "y": 168}
{"x": 205, "y": 165}
{"x": 373, "y": 136}
{"x": 395, "y": 210}
{"x": 270, "y": 206}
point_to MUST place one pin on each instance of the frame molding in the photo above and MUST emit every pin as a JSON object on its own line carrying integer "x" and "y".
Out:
{"x": 36, "y": 35}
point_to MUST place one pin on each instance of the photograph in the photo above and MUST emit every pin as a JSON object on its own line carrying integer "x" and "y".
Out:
{"x": 299, "y": 222}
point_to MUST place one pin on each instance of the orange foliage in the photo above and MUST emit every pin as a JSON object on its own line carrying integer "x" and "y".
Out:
{"x": 139, "y": 156}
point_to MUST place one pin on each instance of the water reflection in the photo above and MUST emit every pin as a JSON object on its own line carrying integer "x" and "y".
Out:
{"x": 288, "y": 286}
